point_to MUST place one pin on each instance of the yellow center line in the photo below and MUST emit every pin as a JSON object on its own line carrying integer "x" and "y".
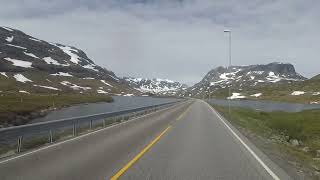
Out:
{"x": 138, "y": 156}
{"x": 185, "y": 112}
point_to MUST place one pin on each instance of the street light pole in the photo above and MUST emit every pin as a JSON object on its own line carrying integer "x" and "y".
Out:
{"x": 229, "y": 32}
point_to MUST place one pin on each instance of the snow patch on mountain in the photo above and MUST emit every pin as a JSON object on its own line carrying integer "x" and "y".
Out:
{"x": 128, "y": 95}
{"x": 9, "y": 39}
{"x": 31, "y": 55}
{"x": 70, "y": 51}
{"x": 316, "y": 93}
{"x": 4, "y": 74}
{"x": 104, "y": 82}
{"x": 19, "y": 63}
{"x": 74, "y": 86}
{"x": 314, "y": 102}
{"x": 21, "y": 78}
{"x": 49, "y": 60}
{"x": 90, "y": 66}
{"x": 256, "y": 95}
{"x": 297, "y": 93}
{"x": 34, "y": 39}
{"x": 25, "y": 92}
{"x": 236, "y": 96}
{"x": 6, "y": 28}
{"x": 276, "y": 78}
{"x": 99, "y": 91}
{"x": 164, "y": 80}
{"x": 47, "y": 87}
{"x": 61, "y": 74}
{"x": 273, "y": 78}
{"x": 20, "y": 47}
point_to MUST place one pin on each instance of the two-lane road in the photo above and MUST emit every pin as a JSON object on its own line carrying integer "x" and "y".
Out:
{"x": 183, "y": 142}
{"x": 200, "y": 145}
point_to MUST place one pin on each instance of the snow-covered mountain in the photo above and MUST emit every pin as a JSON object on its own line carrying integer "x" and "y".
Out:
{"x": 244, "y": 77}
{"x": 156, "y": 86}
{"x": 28, "y": 65}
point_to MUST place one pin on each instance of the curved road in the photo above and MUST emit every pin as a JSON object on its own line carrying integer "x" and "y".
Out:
{"x": 187, "y": 141}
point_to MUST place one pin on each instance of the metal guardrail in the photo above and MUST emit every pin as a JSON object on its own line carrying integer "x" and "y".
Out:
{"x": 19, "y": 138}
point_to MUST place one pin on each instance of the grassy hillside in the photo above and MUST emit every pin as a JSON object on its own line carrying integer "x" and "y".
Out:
{"x": 9, "y": 84}
{"x": 283, "y": 128}
{"x": 279, "y": 92}
{"x": 316, "y": 77}
{"x": 19, "y": 108}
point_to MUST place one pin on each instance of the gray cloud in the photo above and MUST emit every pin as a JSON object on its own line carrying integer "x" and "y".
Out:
{"x": 175, "y": 39}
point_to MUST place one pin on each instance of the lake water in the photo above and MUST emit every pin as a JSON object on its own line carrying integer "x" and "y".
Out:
{"x": 123, "y": 103}
{"x": 267, "y": 106}
{"x": 120, "y": 103}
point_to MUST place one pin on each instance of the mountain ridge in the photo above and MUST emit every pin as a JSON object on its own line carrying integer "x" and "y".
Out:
{"x": 244, "y": 76}
{"x": 31, "y": 65}
{"x": 157, "y": 86}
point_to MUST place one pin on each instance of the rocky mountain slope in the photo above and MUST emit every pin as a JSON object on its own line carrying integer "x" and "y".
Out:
{"x": 157, "y": 86}
{"x": 241, "y": 77}
{"x": 317, "y": 77}
{"x": 31, "y": 65}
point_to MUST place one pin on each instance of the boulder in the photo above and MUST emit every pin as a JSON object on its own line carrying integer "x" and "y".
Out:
{"x": 294, "y": 142}
{"x": 305, "y": 149}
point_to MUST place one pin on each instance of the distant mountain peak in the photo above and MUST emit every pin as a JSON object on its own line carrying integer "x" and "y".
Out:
{"x": 156, "y": 85}
{"x": 245, "y": 76}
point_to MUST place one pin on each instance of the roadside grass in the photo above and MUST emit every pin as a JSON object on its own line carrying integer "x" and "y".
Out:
{"x": 14, "y": 104}
{"x": 281, "y": 128}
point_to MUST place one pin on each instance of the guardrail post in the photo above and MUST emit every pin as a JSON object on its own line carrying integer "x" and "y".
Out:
{"x": 50, "y": 136}
{"x": 19, "y": 145}
{"x": 90, "y": 125}
{"x": 74, "y": 130}
{"x": 80, "y": 122}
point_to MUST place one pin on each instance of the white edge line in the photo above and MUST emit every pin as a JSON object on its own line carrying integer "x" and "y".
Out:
{"x": 272, "y": 174}
{"x": 76, "y": 138}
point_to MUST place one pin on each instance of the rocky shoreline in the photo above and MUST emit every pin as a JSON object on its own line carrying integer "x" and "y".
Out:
{"x": 16, "y": 119}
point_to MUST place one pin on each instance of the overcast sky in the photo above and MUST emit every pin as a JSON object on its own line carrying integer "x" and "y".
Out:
{"x": 175, "y": 39}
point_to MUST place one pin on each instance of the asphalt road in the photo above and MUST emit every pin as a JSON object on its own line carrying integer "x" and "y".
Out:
{"x": 183, "y": 142}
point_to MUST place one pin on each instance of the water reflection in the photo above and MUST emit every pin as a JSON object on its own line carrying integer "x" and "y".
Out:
{"x": 120, "y": 103}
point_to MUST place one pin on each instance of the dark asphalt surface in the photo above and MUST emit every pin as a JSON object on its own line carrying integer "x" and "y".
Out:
{"x": 198, "y": 146}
